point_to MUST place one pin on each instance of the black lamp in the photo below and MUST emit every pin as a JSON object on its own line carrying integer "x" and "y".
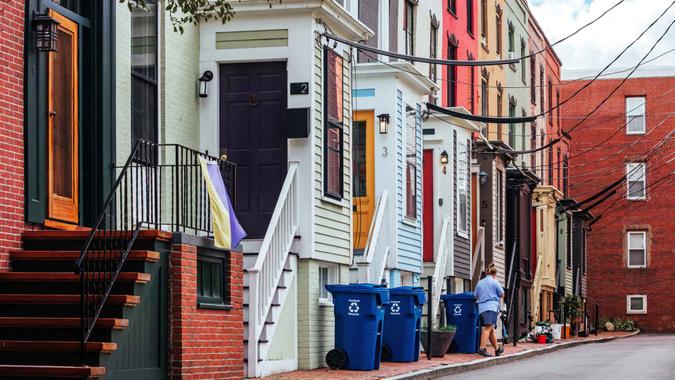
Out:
{"x": 46, "y": 32}
{"x": 483, "y": 177}
{"x": 384, "y": 123}
{"x": 203, "y": 83}
{"x": 444, "y": 157}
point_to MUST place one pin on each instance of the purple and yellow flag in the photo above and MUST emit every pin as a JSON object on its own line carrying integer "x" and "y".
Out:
{"x": 227, "y": 232}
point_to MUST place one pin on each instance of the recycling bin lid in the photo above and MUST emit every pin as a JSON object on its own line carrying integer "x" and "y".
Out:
{"x": 417, "y": 291}
{"x": 459, "y": 297}
{"x": 381, "y": 292}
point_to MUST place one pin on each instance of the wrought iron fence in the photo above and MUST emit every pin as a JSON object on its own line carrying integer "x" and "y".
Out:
{"x": 160, "y": 187}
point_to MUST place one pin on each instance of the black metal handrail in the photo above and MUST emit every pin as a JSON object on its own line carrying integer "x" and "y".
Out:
{"x": 160, "y": 187}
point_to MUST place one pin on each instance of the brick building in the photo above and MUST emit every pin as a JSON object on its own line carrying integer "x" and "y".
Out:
{"x": 630, "y": 262}
{"x": 11, "y": 128}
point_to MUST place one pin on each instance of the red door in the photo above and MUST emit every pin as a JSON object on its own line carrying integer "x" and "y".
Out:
{"x": 428, "y": 204}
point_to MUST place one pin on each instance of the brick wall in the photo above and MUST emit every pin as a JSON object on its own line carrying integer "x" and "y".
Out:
{"x": 11, "y": 128}
{"x": 204, "y": 343}
{"x": 609, "y": 278}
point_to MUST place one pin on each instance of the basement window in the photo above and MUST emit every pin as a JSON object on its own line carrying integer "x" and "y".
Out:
{"x": 212, "y": 279}
{"x": 327, "y": 275}
{"x": 636, "y": 304}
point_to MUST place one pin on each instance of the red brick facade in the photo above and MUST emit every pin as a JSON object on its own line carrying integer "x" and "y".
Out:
{"x": 610, "y": 280}
{"x": 11, "y": 128}
{"x": 205, "y": 344}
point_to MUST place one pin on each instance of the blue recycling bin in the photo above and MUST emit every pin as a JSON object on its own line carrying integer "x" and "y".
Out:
{"x": 461, "y": 310}
{"x": 359, "y": 320}
{"x": 402, "y": 319}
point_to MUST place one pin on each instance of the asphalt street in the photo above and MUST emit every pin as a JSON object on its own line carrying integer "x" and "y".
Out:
{"x": 639, "y": 357}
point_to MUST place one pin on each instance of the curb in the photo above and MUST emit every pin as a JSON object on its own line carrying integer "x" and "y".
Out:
{"x": 452, "y": 369}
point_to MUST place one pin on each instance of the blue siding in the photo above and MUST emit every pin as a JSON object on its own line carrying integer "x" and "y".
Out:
{"x": 409, "y": 235}
{"x": 363, "y": 93}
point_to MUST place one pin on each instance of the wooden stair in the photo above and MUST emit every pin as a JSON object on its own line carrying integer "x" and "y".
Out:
{"x": 40, "y": 307}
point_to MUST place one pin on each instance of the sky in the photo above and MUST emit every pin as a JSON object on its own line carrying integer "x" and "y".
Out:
{"x": 598, "y": 44}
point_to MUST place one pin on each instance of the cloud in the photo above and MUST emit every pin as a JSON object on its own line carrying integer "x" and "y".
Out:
{"x": 597, "y": 45}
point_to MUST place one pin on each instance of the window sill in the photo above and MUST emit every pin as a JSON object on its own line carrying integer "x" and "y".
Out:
{"x": 453, "y": 13}
{"x": 484, "y": 46}
{"x": 463, "y": 234}
{"x": 500, "y": 245}
{"x": 213, "y": 306}
{"x": 513, "y": 67}
{"x": 637, "y": 199}
{"x": 636, "y": 267}
{"x": 643, "y": 312}
{"x": 409, "y": 221}
{"x": 331, "y": 200}
{"x": 636, "y": 133}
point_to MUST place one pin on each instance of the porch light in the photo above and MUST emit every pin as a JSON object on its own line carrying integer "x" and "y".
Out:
{"x": 203, "y": 83}
{"x": 46, "y": 33}
{"x": 384, "y": 123}
{"x": 483, "y": 177}
{"x": 444, "y": 157}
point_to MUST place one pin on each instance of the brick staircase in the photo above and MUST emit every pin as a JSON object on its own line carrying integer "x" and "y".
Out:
{"x": 40, "y": 308}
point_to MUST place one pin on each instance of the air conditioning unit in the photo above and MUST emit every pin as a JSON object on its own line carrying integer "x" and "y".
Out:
{"x": 511, "y": 55}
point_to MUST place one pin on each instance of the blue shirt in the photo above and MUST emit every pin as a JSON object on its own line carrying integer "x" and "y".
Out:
{"x": 488, "y": 291}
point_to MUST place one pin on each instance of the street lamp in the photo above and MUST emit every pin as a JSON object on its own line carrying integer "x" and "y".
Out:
{"x": 46, "y": 32}
{"x": 203, "y": 83}
{"x": 384, "y": 123}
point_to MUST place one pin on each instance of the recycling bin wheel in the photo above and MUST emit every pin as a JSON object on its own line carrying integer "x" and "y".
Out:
{"x": 386, "y": 353}
{"x": 336, "y": 359}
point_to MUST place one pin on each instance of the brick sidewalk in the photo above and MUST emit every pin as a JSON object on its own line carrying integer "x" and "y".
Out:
{"x": 454, "y": 360}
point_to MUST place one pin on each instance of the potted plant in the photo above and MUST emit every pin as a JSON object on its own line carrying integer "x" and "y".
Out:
{"x": 441, "y": 339}
{"x": 573, "y": 312}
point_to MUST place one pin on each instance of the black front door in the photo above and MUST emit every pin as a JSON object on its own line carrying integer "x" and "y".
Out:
{"x": 252, "y": 130}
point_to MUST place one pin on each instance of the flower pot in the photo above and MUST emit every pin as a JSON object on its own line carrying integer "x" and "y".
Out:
{"x": 541, "y": 339}
{"x": 567, "y": 330}
{"x": 440, "y": 342}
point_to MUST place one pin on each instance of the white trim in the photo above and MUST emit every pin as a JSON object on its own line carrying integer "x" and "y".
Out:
{"x": 332, "y": 273}
{"x": 631, "y": 111}
{"x": 467, "y": 181}
{"x": 644, "y": 304}
{"x": 644, "y": 248}
{"x": 630, "y": 168}
{"x": 407, "y": 219}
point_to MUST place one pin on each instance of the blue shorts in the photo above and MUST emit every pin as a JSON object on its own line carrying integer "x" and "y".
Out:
{"x": 488, "y": 318}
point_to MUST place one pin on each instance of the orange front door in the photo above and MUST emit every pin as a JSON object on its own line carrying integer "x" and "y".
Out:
{"x": 363, "y": 175}
{"x": 62, "y": 135}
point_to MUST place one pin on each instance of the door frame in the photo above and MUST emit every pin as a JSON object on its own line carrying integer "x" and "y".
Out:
{"x": 428, "y": 216}
{"x": 369, "y": 200}
{"x": 61, "y": 208}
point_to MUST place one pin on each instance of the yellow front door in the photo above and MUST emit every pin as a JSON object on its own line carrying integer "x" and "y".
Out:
{"x": 62, "y": 136}
{"x": 363, "y": 175}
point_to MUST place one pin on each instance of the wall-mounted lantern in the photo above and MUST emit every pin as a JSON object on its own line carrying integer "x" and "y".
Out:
{"x": 444, "y": 160}
{"x": 46, "y": 32}
{"x": 204, "y": 83}
{"x": 483, "y": 177}
{"x": 384, "y": 123}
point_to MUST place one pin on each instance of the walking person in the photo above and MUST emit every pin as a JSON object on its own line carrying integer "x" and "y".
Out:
{"x": 489, "y": 294}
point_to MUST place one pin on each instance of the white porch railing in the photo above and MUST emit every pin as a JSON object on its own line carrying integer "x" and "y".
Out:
{"x": 536, "y": 287}
{"x": 440, "y": 269}
{"x": 265, "y": 275}
{"x": 478, "y": 262}
{"x": 372, "y": 264}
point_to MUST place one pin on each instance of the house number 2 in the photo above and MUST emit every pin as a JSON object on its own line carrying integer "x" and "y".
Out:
{"x": 299, "y": 88}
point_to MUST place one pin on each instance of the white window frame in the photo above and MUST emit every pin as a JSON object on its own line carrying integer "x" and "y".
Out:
{"x": 331, "y": 270}
{"x": 628, "y": 248}
{"x": 499, "y": 214}
{"x": 631, "y": 172}
{"x": 633, "y": 110}
{"x": 463, "y": 187}
{"x": 644, "y": 304}
{"x": 406, "y": 217}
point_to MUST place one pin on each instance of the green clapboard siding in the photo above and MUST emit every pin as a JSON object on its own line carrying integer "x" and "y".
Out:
{"x": 252, "y": 39}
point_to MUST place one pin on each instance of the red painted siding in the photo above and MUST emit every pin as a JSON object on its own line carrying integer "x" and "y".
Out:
{"x": 457, "y": 25}
{"x": 205, "y": 344}
{"x": 11, "y": 128}
{"x": 609, "y": 279}
{"x": 428, "y": 204}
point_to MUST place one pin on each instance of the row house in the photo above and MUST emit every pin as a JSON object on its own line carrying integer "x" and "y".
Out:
{"x": 629, "y": 264}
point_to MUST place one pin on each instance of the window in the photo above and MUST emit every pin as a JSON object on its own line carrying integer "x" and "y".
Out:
{"x": 523, "y": 134}
{"x": 411, "y": 163}
{"x": 433, "y": 43}
{"x": 637, "y": 249}
{"x": 512, "y": 126}
{"x": 463, "y": 184}
{"x": 542, "y": 100}
{"x": 333, "y": 108}
{"x": 636, "y": 304}
{"x": 559, "y": 169}
{"x": 472, "y": 80}
{"x": 533, "y": 145}
{"x": 328, "y": 274}
{"x": 452, "y": 73}
{"x": 212, "y": 275}
{"x": 523, "y": 65}
{"x": 484, "y": 18}
{"x": 550, "y": 164}
{"x": 533, "y": 79}
{"x": 144, "y": 72}
{"x": 484, "y": 99}
{"x": 498, "y": 32}
{"x": 512, "y": 39}
{"x": 557, "y": 108}
{"x": 409, "y": 27}
{"x": 550, "y": 102}
{"x": 452, "y": 6}
{"x": 635, "y": 115}
{"x": 565, "y": 174}
{"x": 469, "y": 16}
{"x": 499, "y": 219}
{"x": 500, "y": 102}
{"x": 636, "y": 180}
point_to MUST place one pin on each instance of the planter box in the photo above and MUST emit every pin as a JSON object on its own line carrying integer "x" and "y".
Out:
{"x": 440, "y": 342}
